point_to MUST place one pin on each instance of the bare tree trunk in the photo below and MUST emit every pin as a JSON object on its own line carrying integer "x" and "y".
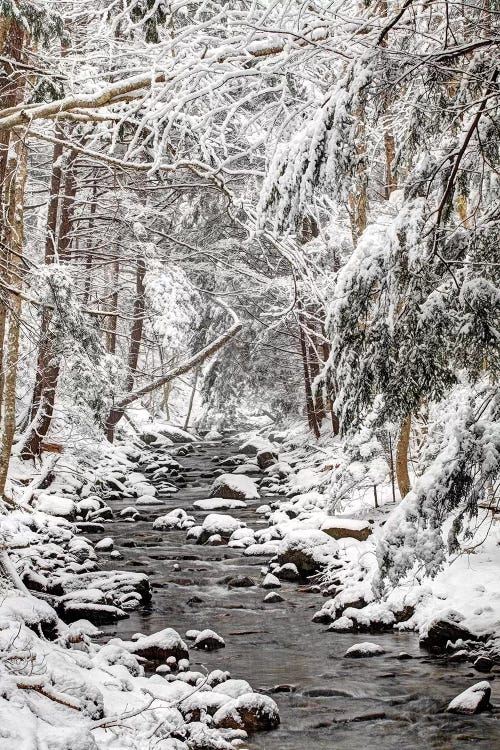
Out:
{"x": 311, "y": 414}
{"x": 402, "y": 475}
{"x": 135, "y": 344}
{"x": 113, "y": 319}
{"x": 15, "y": 189}
{"x": 191, "y": 398}
{"x": 58, "y": 244}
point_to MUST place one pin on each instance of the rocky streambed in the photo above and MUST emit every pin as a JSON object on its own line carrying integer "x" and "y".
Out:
{"x": 326, "y": 700}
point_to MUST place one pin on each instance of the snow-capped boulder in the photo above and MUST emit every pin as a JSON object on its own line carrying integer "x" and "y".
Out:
{"x": 308, "y": 549}
{"x": 483, "y": 663}
{"x": 218, "y": 523}
{"x": 287, "y": 572}
{"x": 234, "y": 486}
{"x": 105, "y": 545}
{"x": 256, "y": 444}
{"x": 270, "y": 582}
{"x": 252, "y": 712}
{"x": 273, "y": 598}
{"x": 363, "y": 650}
{"x": 340, "y": 528}
{"x": 341, "y": 625}
{"x": 159, "y": 646}
{"x": 208, "y": 640}
{"x": 443, "y": 629}
{"x": 175, "y": 519}
{"x": 473, "y": 700}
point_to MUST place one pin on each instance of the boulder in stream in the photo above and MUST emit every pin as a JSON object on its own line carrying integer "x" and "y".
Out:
{"x": 158, "y": 647}
{"x": 234, "y": 487}
{"x": 271, "y": 582}
{"x": 208, "y": 640}
{"x": 444, "y": 629}
{"x": 309, "y": 550}
{"x": 473, "y": 700}
{"x": 364, "y": 650}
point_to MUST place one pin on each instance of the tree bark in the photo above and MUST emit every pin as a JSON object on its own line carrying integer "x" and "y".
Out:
{"x": 311, "y": 413}
{"x": 57, "y": 246}
{"x": 15, "y": 189}
{"x": 402, "y": 474}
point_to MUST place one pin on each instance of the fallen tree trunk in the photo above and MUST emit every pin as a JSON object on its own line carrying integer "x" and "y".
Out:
{"x": 197, "y": 359}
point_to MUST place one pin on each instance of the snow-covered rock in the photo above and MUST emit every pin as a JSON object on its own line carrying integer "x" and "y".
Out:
{"x": 218, "y": 524}
{"x": 234, "y": 486}
{"x": 208, "y": 640}
{"x": 250, "y": 711}
{"x": 158, "y": 646}
{"x": 340, "y": 528}
{"x": 365, "y": 649}
{"x": 473, "y": 700}
{"x": 175, "y": 519}
{"x": 309, "y": 550}
{"x": 271, "y": 582}
{"x": 105, "y": 545}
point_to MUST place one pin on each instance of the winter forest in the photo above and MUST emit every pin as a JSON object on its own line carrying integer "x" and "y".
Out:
{"x": 250, "y": 347}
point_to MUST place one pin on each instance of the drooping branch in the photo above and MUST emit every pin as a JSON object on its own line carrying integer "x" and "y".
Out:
{"x": 194, "y": 361}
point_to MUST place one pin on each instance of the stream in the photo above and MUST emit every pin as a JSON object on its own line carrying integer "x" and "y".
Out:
{"x": 325, "y": 701}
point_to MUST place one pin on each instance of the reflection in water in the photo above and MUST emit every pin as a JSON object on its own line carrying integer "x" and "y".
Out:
{"x": 379, "y": 703}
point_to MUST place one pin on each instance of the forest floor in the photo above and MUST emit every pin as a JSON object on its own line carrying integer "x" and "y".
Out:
{"x": 231, "y": 543}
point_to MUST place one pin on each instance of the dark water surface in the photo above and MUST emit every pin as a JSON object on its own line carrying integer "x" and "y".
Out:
{"x": 379, "y": 703}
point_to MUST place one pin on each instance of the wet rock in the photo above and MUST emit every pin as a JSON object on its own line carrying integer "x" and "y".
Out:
{"x": 252, "y": 712}
{"x": 341, "y": 528}
{"x": 473, "y": 700}
{"x": 483, "y": 664}
{"x": 273, "y": 598}
{"x": 459, "y": 656}
{"x": 128, "y": 543}
{"x": 285, "y": 688}
{"x": 240, "y": 582}
{"x": 215, "y": 541}
{"x": 90, "y": 527}
{"x": 208, "y": 640}
{"x": 403, "y": 656}
{"x": 364, "y": 650}
{"x": 443, "y": 630}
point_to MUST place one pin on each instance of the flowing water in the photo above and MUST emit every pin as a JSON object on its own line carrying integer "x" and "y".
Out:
{"x": 331, "y": 702}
